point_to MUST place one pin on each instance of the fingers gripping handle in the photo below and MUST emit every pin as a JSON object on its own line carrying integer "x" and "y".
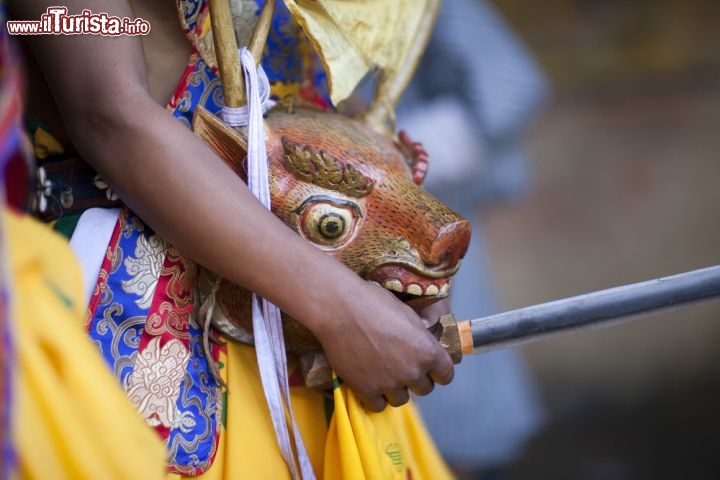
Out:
{"x": 317, "y": 372}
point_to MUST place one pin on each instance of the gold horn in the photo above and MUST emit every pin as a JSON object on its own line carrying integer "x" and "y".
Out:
{"x": 262, "y": 28}
{"x": 381, "y": 114}
{"x": 226, "y": 53}
{"x": 226, "y": 47}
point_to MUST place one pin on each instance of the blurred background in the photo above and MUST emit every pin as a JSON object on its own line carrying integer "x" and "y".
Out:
{"x": 625, "y": 169}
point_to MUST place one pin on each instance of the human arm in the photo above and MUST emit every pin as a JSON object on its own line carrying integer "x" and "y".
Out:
{"x": 188, "y": 195}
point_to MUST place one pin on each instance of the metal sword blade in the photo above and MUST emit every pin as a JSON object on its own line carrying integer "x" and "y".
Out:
{"x": 591, "y": 310}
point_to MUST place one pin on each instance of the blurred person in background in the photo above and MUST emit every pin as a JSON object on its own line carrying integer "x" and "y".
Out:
{"x": 470, "y": 104}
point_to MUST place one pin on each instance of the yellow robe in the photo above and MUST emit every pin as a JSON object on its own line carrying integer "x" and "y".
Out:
{"x": 70, "y": 419}
{"x": 358, "y": 445}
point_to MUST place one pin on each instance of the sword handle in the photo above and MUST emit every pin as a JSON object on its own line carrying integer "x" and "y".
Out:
{"x": 453, "y": 336}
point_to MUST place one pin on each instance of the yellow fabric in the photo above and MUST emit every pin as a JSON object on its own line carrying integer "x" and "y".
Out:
{"x": 354, "y": 36}
{"x": 391, "y": 444}
{"x": 357, "y": 445}
{"x": 248, "y": 448}
{"x": 70, "y": 418}
{"x": 46, "y": 144}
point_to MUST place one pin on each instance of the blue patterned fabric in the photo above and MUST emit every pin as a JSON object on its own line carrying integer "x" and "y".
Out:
{"x": 143, "y": 325}
{"x": 204, "y": 89}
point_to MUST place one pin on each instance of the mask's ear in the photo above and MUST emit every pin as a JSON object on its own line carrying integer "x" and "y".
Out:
{"x": 227, "y": 143}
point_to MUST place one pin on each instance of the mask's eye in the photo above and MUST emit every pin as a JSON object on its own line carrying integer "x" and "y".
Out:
{"x": 327, "y": 221}
{"x": 332, "y": 225}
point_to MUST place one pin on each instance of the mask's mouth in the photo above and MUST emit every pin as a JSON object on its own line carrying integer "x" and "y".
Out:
{"x": 410, "y": 286}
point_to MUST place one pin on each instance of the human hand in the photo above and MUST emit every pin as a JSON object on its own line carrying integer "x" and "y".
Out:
{"x": 381, "y": 348}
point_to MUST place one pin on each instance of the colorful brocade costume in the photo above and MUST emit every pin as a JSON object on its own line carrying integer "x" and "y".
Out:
{"x": 141, "y": 315}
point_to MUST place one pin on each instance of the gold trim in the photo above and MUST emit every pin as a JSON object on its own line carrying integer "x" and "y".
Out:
{"x": 411, "y": 264}
{"x": 324, "y": 170}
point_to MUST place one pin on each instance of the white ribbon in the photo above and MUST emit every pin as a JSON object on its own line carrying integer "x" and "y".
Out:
{"x": 267, "y": 322}
{"x": 240, "y": 116}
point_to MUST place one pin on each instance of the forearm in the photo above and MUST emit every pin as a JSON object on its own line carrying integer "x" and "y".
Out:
{"x": 187, "y": 194}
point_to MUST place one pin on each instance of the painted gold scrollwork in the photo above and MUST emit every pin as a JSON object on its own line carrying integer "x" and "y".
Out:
{"x": 324, "y": 170}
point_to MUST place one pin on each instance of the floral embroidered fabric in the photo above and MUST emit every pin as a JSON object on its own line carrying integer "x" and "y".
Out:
{"x": 141, "y": 312}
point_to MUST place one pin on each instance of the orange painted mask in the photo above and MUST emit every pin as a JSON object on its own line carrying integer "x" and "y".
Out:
{"x": 353, "y": 193}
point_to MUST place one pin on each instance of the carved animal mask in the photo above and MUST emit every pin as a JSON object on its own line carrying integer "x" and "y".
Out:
{"x": 354, "y": 194}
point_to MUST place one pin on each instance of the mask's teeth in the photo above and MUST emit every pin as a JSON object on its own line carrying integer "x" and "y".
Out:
{"x": 393, "y": 284}
{"x": 414, "y": 289}
{"x": 432, "y": 290}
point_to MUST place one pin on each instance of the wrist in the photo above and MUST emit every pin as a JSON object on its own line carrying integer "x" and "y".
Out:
{"x": 332, "y": 294}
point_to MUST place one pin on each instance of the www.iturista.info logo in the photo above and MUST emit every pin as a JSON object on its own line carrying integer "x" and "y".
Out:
{"x": 57, "y": 22}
